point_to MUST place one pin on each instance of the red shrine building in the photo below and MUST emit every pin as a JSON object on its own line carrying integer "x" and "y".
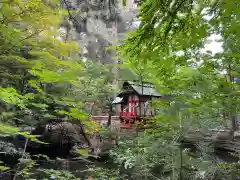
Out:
{"x": 134, "y": 103}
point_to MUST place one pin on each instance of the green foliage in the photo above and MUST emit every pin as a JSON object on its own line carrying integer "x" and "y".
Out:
{"x": 82, "y": 152}
{"x": 2, "y": 167}
{"x": 27, "y": 165}
{"x": 168, "y": 50}
{"x": 26, "y": 28}
{"x": 42, "y": 75}
{"x": 4, "y": 129}
{"x": 58, "y": 175}
{"x": 101, "y": 173}
{"x": 11, "y": 96}
{"x": 36, "y": 77}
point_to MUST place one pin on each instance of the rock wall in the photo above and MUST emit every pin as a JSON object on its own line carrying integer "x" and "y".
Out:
{"x": 96, "y": 25}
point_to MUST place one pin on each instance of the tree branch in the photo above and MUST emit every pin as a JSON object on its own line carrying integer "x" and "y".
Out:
{"x": 21, "y": 40}
{"x": 69, "y": 12}
{"x": 173, "y": 17}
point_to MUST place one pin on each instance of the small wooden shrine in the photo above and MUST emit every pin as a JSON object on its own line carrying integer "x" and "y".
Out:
{"x": 134, "y": 102}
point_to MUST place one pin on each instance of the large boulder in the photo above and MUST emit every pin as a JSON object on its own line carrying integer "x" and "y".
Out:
{"x": 60, "y": 138}
{"x": 60, "y": 133}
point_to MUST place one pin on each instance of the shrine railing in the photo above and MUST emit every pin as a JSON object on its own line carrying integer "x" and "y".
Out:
{"x": 127, "y": 114}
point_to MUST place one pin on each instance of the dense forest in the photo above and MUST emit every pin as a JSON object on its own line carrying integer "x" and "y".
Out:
{"x": 58, "y": 67}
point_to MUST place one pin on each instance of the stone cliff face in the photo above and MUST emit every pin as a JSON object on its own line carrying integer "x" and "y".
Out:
{"x": 96, "y": 24}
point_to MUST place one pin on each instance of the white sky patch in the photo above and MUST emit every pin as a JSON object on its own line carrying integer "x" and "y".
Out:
{"x": 206, "y": 15}
{"x": 180, "y": 53}
{"x": 136, "y": 24}
{"x": 213, "y": 44}
{"x": 84, "y": 59}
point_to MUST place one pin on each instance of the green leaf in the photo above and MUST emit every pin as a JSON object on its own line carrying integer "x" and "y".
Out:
{"x": 3, "y": 168}
{"x": 83, "y": 152}
{"x": 124, "y": 3}
{"x": 5, "y": 129}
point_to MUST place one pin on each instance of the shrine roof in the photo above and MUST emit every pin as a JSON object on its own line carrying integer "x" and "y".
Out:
{"x": 145, "y": 89}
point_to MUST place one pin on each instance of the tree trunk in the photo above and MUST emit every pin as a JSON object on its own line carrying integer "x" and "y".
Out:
{"x": 232, "y": 119}
{"x": 181, "y": 164}
{"x": 232, "y": 109}
{"x": 85, "y": 136}
{"x": 109, "y": 116}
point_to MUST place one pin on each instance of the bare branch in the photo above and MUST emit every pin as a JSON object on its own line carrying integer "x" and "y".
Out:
{"x": 69, "y": 12}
